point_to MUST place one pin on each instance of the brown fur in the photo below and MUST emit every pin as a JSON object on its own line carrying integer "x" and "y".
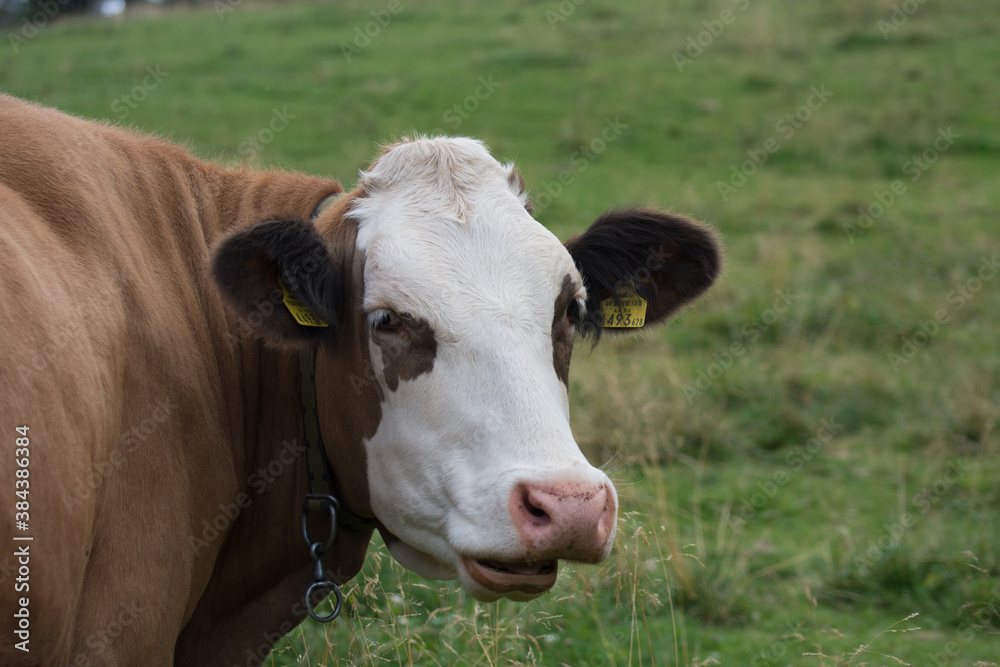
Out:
{"x": 408, "y": 356}
{"x": 562, "y": 332}
{"x": 151, "y": 406}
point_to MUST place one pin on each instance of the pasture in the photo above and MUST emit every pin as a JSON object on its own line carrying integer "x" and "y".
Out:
{"x": 808, "y": 460}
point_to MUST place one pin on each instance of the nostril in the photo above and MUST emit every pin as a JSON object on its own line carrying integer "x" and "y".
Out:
{"x": 540, "y": 516}
{"x": 564, "y": 519}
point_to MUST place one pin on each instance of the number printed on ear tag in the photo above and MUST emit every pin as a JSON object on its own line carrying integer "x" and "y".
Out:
{"x": 302, "y": 314}
{"x": 627, "y": 311}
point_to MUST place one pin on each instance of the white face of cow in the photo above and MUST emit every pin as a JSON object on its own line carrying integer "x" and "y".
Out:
{"x": 469, "y": 313}
{"x": 473, "y": 466}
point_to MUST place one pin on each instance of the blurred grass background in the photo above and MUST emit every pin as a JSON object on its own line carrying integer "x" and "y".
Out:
{"x": 807, "y": 457}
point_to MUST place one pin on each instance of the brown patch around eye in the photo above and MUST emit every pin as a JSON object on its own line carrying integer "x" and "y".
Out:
{"x": 406, "y": 354}
{"x": 562, "y": 330}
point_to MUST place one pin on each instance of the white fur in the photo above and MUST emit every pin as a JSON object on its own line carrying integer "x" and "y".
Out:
{"x": 447, "y": 239}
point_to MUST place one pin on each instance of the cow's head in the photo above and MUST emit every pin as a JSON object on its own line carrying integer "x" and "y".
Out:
{"x": 443, "y": 377}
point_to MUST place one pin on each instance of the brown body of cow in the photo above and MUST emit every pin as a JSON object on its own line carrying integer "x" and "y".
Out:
{"x": 148, "y": 410}
{"x": 165, "y": 438}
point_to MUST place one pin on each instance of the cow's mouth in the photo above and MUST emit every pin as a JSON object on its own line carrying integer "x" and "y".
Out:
{"x": 485, "y": 578}
{"x": 505, "y": 578}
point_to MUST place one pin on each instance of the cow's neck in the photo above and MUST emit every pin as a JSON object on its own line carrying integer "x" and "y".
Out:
{"x": 272, "y": 459}
{"x": 274, "y": 471}
{"x": 265, "y": 565}
{"x": 276, "y": 466}
{"x": 261, "y": 567}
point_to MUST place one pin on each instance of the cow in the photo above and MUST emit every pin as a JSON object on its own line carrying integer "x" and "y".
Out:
{"x": 218, "y": 382}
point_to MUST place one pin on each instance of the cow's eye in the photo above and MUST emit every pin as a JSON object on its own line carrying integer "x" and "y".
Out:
{"x": 385, "y": 321}
{"x": 576, "y": 311}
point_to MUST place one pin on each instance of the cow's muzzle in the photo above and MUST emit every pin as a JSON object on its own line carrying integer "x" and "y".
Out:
{"x": 569, "y": 520}
{"x": 554, "y": 521}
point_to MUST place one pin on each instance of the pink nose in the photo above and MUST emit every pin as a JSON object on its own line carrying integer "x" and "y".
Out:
{"x": 566, "y": 520}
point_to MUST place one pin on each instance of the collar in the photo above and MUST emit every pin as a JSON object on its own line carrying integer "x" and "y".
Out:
{"x": 320, "y": 498}
{"x": 320, "y": 476}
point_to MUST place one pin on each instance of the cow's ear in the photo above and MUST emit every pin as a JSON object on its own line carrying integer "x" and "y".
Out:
{"x": 668, "y": 258}
{"x": 282, "y": 280}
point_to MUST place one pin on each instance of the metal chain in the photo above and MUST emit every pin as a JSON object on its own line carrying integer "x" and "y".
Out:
{"x": 317, "y": 550}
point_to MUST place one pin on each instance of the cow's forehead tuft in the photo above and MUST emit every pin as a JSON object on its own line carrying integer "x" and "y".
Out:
{"x": 446, "y": 194}
{"x": 442, "y": 175}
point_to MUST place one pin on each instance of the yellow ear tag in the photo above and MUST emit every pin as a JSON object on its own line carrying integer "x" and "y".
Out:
{"x": 627, "y": 311}
{"x": 302, "y": 314}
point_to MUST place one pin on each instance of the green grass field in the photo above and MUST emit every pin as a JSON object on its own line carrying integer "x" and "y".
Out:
{"x": 809, "y": 459}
